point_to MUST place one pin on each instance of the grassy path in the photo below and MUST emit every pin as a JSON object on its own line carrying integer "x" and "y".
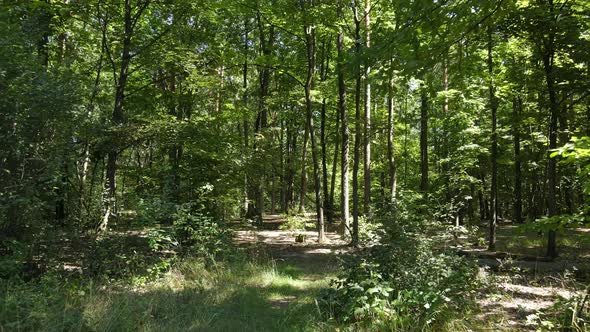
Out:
{"x": 281, "y": 296}
{"x": 270, "y": 286}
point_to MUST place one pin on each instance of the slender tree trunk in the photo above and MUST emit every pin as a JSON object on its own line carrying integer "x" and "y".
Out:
{"x": 424, "y": 140}
{"x": 110, "y": 208}
{"x": 323, "y": 74}
{"x": 282, "y": 166}
{"x": 331, "y": 211}
{"x": 445, "y": 129}
{"x": 357, "y": 134}
{"x": 494, "y": 154}
{"x": 342, "y": 107}
{"x": 548, "y": 65}
{"x": 303, "y": 188}
{"x": 262, "y": 119}
{"x": 367, "y": 127}
{"x": 245, "y": 119}
{"x": 517, "y": 109}
{"x": 310, "y": 46}
{"x": 390, "y": 134}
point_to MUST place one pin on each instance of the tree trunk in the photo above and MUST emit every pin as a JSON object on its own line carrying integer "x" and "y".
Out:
{"x": 262, "y": 118}
{"x": 323, "y": 74}
{"x": 110, "y": 207}
{"x": 548, "y": 65}
{"x": 390, "y": 133}
{"x": 342, "y": 107}
{"x": 357, "y": 134}
{"x": 331, "y": 211}
{"x": 517, "y": 109}
{"x": 494, "y": 154}
{"x": 310, "y": 46}
{"x": 367, "y": 127}
{"x": 245, "y": 119}
{"x": 424, "y": 140}
{"x": 303, "y": 188}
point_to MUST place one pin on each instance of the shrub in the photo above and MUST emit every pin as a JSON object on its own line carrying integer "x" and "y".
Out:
{"x": 402, "y": 284}
{"x": 296, "y": 223}
{"x": 197, "y": 232}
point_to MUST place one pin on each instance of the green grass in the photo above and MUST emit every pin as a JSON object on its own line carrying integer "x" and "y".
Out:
{"x": 238, "y": 296}
{"x": 571, "y": 244}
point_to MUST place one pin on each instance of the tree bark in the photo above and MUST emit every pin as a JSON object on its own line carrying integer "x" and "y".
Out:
{"x": 323, "y": 74}
{"x": 117, "y": 119}
{"x": 331, "y": 211}
{"x": 517, "y": 109}
{"x": 262, "y": 118}
{"x": 303, "y": 188}
{"x": 310, "y": 47}
{"x": 494, "y": 153}
{"x": 390, "y": 135}
{"x": 367, "y": 124}
{"x": 357, "y": 133}
{"x": 424, "y": 140}
{"x": 342, "y": 106}
{"x": 548, "y": 66}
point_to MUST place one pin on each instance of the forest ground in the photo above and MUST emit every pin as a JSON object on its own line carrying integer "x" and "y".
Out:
{"x": 513, "y": 290}
{"x": 272, "y": 284}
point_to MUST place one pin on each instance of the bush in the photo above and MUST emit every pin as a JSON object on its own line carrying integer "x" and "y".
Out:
{"x": 402, "y": 284}
{"x": 197, "y": 232}
{"x": 13, "y": 255}
{"x": 296, "y": 223}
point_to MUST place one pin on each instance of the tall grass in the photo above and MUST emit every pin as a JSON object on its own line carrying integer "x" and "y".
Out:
{"x": 242, "y": 295}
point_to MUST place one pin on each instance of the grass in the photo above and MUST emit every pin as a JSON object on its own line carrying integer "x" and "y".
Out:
{"x": 573, "y": 244}
{"x": 242, "y": 295}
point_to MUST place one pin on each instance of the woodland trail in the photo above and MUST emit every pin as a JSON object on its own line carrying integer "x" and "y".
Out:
{"x": 286, "y": 300}
{"x": 304, "y": 269}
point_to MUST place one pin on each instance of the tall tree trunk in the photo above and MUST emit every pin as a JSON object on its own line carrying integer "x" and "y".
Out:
{"x": 323, "y": 74}
{"x": 342, "y": 107}
{"x": 291, "y": 148}
{"x": 517, "y": 109}
{"x": 445, "y": 128}
{"x": 245, "y": 120}
{"x": 282, "y": 163}
{"x": 390, "y": 133}
{"x": 331, "y": 211}
{"x": 357, "y": 134}
{"x": 494, "y": 154}
{"x": 548, "y": 65}
{"x": 303, "y": 188}
{"x": 262, "y": 118}
{"x": 424, "y": 139}
{"x": 367, "y": 127}
{"x": 310, "y": 47}
{"x": 110, "y": 207}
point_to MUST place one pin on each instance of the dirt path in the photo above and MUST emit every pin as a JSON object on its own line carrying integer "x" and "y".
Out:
{"x": 308, "y": 266}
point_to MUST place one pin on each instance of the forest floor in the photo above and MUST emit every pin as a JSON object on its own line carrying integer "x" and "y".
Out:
{"x": 271, "y": 284}
{"x": 520, "y": 289}
{"x": 525, "y": 284}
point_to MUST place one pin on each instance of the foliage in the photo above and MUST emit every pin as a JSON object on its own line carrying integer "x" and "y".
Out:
{"x": 198, "y": 233}
{"x": 565, "y": 315}
{"x": 296, "y": 223}
{"x": 13, "y": 255}
{"x": 402, "y": 284}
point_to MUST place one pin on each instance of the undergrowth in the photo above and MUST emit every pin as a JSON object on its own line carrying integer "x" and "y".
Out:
{"x": 237, "y": 294}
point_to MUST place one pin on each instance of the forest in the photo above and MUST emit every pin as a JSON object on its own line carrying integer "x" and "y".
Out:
{"x": 309, "y": 165}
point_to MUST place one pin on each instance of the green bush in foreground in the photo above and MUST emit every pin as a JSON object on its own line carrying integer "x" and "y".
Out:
{"x": 402, "y": 284}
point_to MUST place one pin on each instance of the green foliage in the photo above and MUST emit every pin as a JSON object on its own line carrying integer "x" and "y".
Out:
{"x": 198, "y": 233}
{"x": 154, "y": 210}
{"x": 13, "y": 255}
{"x": 297, "y": 223}
{"x": 402, "y": 284}
{"x": 566, "y": 314}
